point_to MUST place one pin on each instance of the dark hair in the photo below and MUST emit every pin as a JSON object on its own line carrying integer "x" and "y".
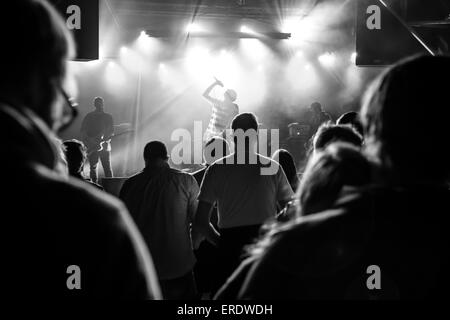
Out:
{"x": 75, "y": 154}
{"x": 327, "y": 172}
{"x": 245, "y": 121}
{"x": 405, "y": 142}
{"x": 35, "y": 41}
{"x": 285, "y": 159}
{"x": 316, "y": 106}
{"x": 352, "y": 118}
{"x": 339, "y": 164}
{"x": 155, "y": 150}
{"x": 328, "y": 133}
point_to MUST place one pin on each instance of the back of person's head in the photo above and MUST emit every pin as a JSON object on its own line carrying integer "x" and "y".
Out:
{"x": 328, "y": 133}
{"x": 155, "y": 151}
{"x": 215, "y": 148}
{"x": 327, "y": 172}
{"x": 285, "y": 159}
{"x": 352, "y": 118}
{"x": 405, "y": 114}
{"x": 75, "y": 153}
{"x": 316, "y": 107}
{"x": 245, "y": 121}
{"x": 33, "y": 58}
{"x": 245, "y": 131}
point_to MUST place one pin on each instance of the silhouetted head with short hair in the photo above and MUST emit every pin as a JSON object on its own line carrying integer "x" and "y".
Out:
{"x": 405, "y": 114}
{"x": 316, "y": 107}
{"x": 352, "y": 118}
{"x": 75, "y": 154}
{"x": 99, "y": 103}
{"x": 245, "y": 128}
{"x": 155, "y": 152}
{"x": 329, "y": 133}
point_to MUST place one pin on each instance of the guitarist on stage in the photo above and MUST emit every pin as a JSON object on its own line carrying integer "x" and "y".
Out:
{"x": 96, "y": 131}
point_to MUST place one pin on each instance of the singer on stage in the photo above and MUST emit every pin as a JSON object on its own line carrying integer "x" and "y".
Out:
{"x": 222, "y": 113}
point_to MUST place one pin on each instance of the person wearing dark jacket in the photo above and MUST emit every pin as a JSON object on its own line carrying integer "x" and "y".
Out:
{"x": 60, "y": 237}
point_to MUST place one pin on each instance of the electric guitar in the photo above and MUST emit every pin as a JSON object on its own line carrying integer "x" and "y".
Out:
{"x": 100, "y": 143}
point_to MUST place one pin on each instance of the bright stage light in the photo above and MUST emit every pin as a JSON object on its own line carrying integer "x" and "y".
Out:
{"x": 197, "y": 55}
{"x": 300, "y": 28}
{"x": 254, "y": 49}
{"x": 115, "y": 76}
{"x": 131, "y": 60}
{"x": 353, "y": 57}
{"x": 245, "y": 29}
{"x": 193, "y": 27}
{"x": 327, "y": 59}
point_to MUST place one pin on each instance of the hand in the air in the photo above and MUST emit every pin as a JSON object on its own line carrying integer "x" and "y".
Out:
{"x": 219, "y": 83}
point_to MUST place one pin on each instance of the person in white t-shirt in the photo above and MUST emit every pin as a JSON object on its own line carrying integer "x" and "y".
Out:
{"x": 246, "y": 196}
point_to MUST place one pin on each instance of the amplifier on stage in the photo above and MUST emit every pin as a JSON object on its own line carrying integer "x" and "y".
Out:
{"x": 297, "y": 130}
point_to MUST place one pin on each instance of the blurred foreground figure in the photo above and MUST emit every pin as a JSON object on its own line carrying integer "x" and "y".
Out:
{"x": 61, "y": 238}
{"x": 388, "y": 240}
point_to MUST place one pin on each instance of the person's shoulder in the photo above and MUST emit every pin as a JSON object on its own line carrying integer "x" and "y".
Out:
{"x": 198, "y": 175}
{"x": 83, "y": 200}
{"x": 327, "y": 234}
{"x": 184, "y": 176}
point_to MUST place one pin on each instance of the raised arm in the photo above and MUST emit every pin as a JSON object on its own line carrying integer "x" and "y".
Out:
{"x": 208, "y": 90}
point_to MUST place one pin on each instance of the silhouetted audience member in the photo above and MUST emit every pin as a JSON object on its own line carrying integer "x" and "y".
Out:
{"x": 353, "y": 119}
{"x": 286, "y": 161}
{"x": 329, "y": 133}
{"x": 76, "y": 241}
{"x": 206, "y": 254}
{"x": 246, "y": 187}
{"x": 389, "y": 240}
{"x": 75, "y": 156}
{"x": 339, "y": 167}
{"x": 163, "y": 201}
{"x": 317, "y": 117}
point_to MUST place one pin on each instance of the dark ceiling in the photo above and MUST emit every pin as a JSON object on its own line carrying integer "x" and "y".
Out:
{"x": 157, "y": 14}
{"x": 174, "y": 15}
